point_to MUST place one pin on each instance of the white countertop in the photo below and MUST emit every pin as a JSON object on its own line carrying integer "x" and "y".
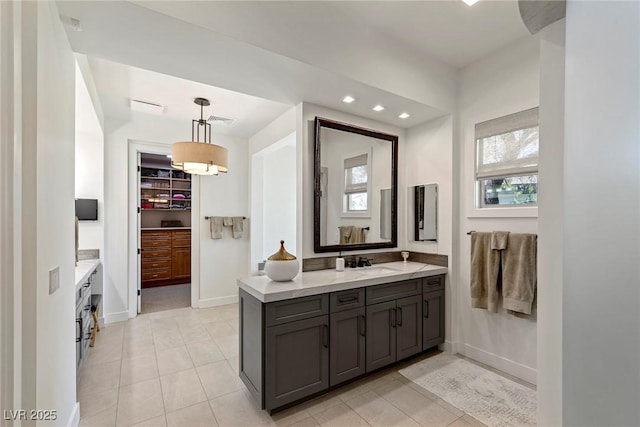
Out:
{"x": 84, "y": 269}
{"x": 323, "y": 281}
{"x": 164, "y": 228}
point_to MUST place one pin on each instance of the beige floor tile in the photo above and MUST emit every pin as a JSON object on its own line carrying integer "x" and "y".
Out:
{"x": 138, "y": 369}
{"x": 104, "y": 352}
{"x": 212, "y": 314}
{"x": 92, "y": 403}
{"x": 173, "y": 360}
{"x": 352, "y": 390}
{"x": 140, "y": 338}
{"x": 449, "y": 407}
{"x": 188, "y": 319}
{"x": 169, "y": 338}
{"x": 104, "y": 418}
{"x": 139, "y": 402}
{"x": 181, "y": 389}
{"x": 218, "y": 378}
{"x": 290, "y": 416}
{"x": 219, "y": 329}
{"x": 472, "y": 421}
{"x": 238, "y": 409}
{"x": 419, "y": 407}
{"x": 229, "y": 312}
{"x": 234, "y": 362}
{"x": 138, "y": 349}
{"x": 235, "y": 325}
{"x": 229, "y": 346}
{"x": 307, "y": 422}
{"x": 194, "y": 333}
{"x": 160, "y": 421}
{"x": 104, "y": 377}
{"x": 379, "y": 412}
{"x": 198, "y": 415}
{"x": 204, "y": 352}
{"x": 459, "y": 423}
{"x": 161, "y": 299}
{"x": 163, "y": 324}
{"x": 339, "y": 415}
{"x": 321, "y": 403}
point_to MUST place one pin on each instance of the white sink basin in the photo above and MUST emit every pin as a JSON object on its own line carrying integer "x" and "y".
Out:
{"x": 376, "y": 271}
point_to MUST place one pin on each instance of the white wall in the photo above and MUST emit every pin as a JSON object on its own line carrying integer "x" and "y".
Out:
{"x": 279, "y": 198}
{"x": 46, "y": 228}
{"x": 550, "y": 200}
{"x": 89, "y": 154}
{"x": 428, "y": 159}
{"x": 601, "y": 297}
{"x": 306, "y": 143}
{"x": 500, "y": 84}
{"x": 220, "y": 195}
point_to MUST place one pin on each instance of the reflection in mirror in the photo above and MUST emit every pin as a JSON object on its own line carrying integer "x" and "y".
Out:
{"x": 426, "y": 212}
{"x": 355, "y": 202}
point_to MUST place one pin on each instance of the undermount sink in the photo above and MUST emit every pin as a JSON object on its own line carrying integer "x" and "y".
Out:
{"x": 374, "y": 271}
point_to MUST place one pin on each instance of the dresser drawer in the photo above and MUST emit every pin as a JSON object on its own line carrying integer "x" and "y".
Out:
{"x": 392, "y": 291}
{"x": 181, "y": 242}
{"x": 156, "y": 243}
{"x": 181, "y": 234}
{"x": 433, "y": 283}
{"x": 345, "y": 300}
{"x": 153, "y": 254}
{"x": 280, "y": 312}
{"x": 156, "y": 274}
{"x": 156, "y": 264}
{"x": 155, "y": 234}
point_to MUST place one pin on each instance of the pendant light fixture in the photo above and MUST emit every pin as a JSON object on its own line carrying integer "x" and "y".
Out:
{"x": 196, "y": 157}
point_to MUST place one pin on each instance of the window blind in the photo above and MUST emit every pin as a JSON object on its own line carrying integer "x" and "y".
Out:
{"x": 356, "y": 174}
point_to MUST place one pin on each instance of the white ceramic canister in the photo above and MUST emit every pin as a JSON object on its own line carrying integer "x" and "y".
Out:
{"x": 282, "y": 266}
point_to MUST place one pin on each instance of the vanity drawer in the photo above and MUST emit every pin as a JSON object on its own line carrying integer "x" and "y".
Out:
{"x": 345, "y": 300}
{"x": 433, "y": 283}
{"x": 280, "y": 312}
{"x": 156, "y": 274}
{"x": 155, "y": 264}
{"x": 156, "y": 243}
{"x": 392, "y": 291}
{"x": 152, "y": 254}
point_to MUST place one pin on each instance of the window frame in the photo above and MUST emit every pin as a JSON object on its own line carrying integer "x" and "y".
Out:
{"x": 346, "y": 213}
{"x": 497, "y": 126}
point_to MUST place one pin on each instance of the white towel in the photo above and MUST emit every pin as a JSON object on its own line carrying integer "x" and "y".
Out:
{"x": 215, "y": 225}
{"x": 238, "y": 227}
{"x": 227, "y": 221}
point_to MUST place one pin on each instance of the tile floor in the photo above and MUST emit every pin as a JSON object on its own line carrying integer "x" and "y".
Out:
{"x": 161, "y": 298}
{"x": 179, "y": 368}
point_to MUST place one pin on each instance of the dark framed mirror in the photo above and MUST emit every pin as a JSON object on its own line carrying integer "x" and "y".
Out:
{"x": 355, "y": 188}
{"x": 425, "y": 223}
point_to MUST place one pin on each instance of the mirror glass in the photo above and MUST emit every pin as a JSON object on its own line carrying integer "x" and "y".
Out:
{"x": 356, "y": 179}
{"x": 426, "y": 212}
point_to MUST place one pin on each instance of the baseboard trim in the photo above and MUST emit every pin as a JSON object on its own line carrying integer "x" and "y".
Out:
{"x": 214, "y": 302}
{"x": 74, "y": 420}
{"x": 508, "y": 366}
{"x": 447, "y": 347}
{"x": 120, "y": 316}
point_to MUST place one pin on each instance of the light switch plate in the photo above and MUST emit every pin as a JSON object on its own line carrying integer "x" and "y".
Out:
{"x": 54, "y": 280}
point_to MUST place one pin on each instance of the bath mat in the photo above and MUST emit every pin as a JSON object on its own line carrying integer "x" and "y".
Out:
{"x": 485, "y": 395}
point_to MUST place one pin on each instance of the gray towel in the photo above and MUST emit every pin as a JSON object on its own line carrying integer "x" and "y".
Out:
{"x": 215, "y": 226}
{"x": 499, "y": 240}
{"x": 519, "y": 277}
{"x": 227, "y": 221}
{"x": 485, "y": 265}
{"x": 351, "y": 234}
{"x": 238, "y": 227}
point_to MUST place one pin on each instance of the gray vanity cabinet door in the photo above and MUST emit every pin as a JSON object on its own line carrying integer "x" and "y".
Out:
{"x": 381, "y": 335}
{"x": 409, "y": 326}
{"x": 432, "y": 319}
{"x": 347, "y": 345}
{"x": 296, "y": 360}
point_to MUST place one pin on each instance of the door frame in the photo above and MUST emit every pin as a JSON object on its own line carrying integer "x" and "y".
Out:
{"x": 136, "y": 147}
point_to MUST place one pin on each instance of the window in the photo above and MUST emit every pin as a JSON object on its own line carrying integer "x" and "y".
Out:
{"x": 356, "y": 174}
{"x": 507, "y": 160}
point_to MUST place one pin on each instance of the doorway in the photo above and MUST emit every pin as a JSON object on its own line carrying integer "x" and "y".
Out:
{"x": 164, "y": 222}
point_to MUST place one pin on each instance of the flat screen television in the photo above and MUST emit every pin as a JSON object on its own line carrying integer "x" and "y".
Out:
{"x": 87, "y": 209}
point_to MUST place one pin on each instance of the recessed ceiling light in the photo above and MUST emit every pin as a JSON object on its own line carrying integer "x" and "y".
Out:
{"x": 378, "y": 108}
{"x": 404, "y": 116}
{"x": 348, "y": 99}
{"x": 146, "y": 107}
{"x": 470, "y": 2}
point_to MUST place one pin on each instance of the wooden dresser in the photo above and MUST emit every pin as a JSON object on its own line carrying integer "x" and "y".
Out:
{"x": 166, "y": 257}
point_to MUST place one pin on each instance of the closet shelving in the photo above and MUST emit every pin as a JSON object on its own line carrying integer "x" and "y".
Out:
{"x": 164, "y": 188}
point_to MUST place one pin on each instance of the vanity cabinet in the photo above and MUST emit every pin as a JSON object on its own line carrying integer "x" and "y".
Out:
{"x": 166, "y": 257}
{"x": 296, "y": 348}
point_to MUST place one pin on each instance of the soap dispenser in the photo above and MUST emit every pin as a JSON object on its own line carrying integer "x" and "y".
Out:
{"x": 339, "y": 262}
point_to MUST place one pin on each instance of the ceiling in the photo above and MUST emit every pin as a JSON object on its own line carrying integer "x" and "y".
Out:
{"x": 268, "y": 55}
{"x": 117, "y": 84}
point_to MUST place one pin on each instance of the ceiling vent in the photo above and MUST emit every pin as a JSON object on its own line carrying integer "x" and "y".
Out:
{"x": 147, "y": 107}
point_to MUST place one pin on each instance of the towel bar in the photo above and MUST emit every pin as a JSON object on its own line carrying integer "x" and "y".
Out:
{"x": 469, "y": 233}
